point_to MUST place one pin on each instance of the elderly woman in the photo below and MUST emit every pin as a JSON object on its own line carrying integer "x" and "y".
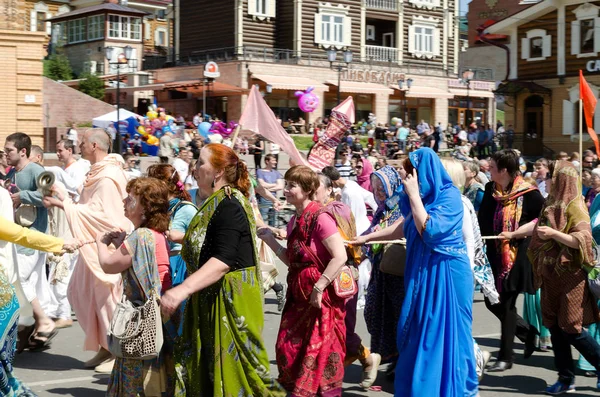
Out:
{"x": 510, "y": 208}
{"x": 221, "y": 352}
{"x": 561, "y": 251}
{"x": 438, "y": 282}
{"x": 473, "y": 189}
{"x": 143, "y": 261}
{"x": 311, "y": 346}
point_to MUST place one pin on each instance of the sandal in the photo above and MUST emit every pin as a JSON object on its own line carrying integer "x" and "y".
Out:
{"x": 23, "y": 338}
{"x": 37, "y": 344}
{"x": 369, "y": 374}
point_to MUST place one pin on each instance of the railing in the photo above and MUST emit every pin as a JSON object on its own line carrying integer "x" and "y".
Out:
{"x": 388, "y": 5}
{"x": 381, "y": 54}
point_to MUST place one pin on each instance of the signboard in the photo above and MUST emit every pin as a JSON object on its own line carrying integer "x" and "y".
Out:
{"x": 475, "y": 85}
{"x": 211, "y": 70}
{"x": 373, "y": 76}
{"x": 593, "y": 66}
{"x": 29, "y": 98}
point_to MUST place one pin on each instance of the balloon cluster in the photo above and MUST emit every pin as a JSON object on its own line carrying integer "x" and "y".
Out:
{"x": 155, "y": 125}
{"x": 216, "y": 131}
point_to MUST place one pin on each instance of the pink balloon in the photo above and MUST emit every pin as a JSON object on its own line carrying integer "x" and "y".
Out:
{"x": 307, "y": 101}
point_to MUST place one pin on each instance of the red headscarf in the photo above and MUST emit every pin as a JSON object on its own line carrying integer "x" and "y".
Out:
{"x": 364, "y": 179}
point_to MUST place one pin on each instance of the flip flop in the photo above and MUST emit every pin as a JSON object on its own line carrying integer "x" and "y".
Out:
{"x": 23, "y": 336}
{"x": 36, "y": 344}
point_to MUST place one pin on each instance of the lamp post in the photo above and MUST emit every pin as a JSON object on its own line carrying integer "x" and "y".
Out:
{"x": 467, "y": 76}
{"x": 123, "y": 59}
{"x": 401, "y": 82}
{"x": 339, "y": 66}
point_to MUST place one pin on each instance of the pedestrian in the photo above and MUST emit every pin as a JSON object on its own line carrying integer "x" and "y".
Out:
{"x": 310, "y": 347}
{"x": 272, "y": 180}
{"x": 93, "y": 293}
{"x": 166, "y": 150}
{"x": 221, "y": 352}
{"x": 257, "y": 149}
{"x": 473, "y": 189}
{"x": 509, "y": 208}
{"x": 73, "y": 136}
{"x": 561, "y": 252}
{"x": 439, "y": 284}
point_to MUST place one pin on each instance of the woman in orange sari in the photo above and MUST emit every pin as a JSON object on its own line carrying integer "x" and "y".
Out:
{"x": 311, "y": 342}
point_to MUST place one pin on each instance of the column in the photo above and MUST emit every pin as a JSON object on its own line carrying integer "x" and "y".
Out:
{"x": 311, "y": 117}
{"x": 440, "y": 113}
{"x": 381, "y": 107}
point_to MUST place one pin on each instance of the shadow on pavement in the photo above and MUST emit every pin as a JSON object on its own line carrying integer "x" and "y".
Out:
{"x": 46, "y": 361}
{"x": 513, "y": 384}
{"x": 78, "y": 392}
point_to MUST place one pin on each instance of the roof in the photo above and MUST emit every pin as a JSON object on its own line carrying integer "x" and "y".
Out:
{"x": 515, "y": 87}
{"x": 523, "y": 16}
{"x": 108, "y": 7}
{"x": 196, "y": 87}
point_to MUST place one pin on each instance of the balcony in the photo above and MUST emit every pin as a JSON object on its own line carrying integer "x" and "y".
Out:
{"x": 381, "y": 54}
{"x": 386, "y": 5}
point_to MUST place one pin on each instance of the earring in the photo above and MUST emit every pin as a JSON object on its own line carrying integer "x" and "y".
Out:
{"x": 212, "y": 185}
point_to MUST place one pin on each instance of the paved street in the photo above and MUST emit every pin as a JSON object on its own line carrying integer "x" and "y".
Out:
{"x": 59, "y": 371}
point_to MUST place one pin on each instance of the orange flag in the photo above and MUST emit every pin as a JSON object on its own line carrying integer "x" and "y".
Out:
{"x": 589, "y": 105}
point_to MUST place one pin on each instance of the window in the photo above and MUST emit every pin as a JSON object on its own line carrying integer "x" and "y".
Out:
{"x": 585, "y": 31}
{"x": 40, "y": 20}
{"x": 124, "y": 27}
{"x": 370, "y": 32}
{"x": 160, "y": 37}
{"x": 332, "y": 26}
{"x": 536, "y": 45}
{"x": 262, "y": 9}
{"x": 38, "y": 16}
{"x": 429, "y": 4}
{"x": 424, "y": 37}
{"x": 76, "y": 33}
{"x": 95, "y": 27}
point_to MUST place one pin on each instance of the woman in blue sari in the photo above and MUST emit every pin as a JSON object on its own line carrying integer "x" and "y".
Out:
{"x": 434, "y": 331}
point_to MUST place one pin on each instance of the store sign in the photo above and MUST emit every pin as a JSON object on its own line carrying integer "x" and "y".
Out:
{"x": 475, "y": 85}
{"x": 593, "y": 66}
{"x": 372, "y": 76}
{"x": 211, "y": 70}
{"x": 493, "y": 14}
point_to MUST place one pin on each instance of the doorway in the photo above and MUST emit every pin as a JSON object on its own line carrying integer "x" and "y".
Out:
{"x": 388, "y": 40}
{"x": 533, "y": 134}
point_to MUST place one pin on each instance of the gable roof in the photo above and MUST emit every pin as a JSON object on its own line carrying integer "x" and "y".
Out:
{"x": 108, "y": 7}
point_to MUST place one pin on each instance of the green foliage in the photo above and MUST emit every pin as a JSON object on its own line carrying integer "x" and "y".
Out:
{"x": 92, "y": 85}
{"x": 57, "y": 67}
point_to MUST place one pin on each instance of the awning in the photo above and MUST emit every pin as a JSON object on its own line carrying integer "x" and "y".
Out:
{"x": 514, "y": 87}
{"x": 290, "y": 83}
{"x": 216, "y": 88}
{"x": 425, "y": 92}
{"x": 131, "y": 89}
{"x": 471, "y": 93}
{"x": 353, "y": 87}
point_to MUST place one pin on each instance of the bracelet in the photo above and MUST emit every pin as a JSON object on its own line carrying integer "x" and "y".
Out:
{"x": 279, "y": 250}
{"x": 319, "y": 290}
{"x": 327, "y": 278}
{"x": 425, "y": 223}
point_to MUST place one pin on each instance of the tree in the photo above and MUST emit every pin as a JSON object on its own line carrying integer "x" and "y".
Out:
{"x": 57, "y": 67}
{"x": 92, "y": 85}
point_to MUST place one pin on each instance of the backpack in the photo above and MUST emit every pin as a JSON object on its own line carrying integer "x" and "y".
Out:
{"x": 177, "y": 266}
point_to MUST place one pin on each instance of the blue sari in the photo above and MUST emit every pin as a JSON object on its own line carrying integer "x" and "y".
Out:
{"x": 434, "y": 332}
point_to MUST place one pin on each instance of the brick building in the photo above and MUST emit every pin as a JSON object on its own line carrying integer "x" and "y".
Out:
{"x": 281, "y": 46}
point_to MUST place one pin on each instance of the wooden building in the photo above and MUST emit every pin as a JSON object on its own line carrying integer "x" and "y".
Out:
{"x": 550, "y": 43}
{"x": 281, "y": 45}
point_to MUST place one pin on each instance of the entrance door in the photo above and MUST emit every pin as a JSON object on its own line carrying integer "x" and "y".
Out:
{"x": 533, "y": 134}
{"x": 388, "y": 40}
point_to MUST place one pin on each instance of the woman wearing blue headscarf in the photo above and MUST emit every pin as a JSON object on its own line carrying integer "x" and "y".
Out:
{"x": 434, "y": 331}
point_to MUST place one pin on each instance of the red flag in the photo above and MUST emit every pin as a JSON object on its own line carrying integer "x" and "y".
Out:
{"x": 340, "y": 121}
{"x": 259, "y": 118}
{"x": 588, "y": 100}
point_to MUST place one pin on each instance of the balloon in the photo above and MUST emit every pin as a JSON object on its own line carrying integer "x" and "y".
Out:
{"x": 166, "y": 129}
{"x": 216, "y": 138}
{"x": 307, "y": 101}
{"x": 152, "y": 140}
{"x": 395, "y": 120}
{"x": 151, "y": 115}
{"x": 142, "y": 131}
{"x": 204, "y": 128}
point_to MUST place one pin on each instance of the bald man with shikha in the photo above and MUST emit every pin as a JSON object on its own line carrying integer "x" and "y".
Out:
{"x": 94, "y": 294}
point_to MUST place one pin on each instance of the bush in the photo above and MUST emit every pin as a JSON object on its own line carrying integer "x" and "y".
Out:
{"x": 57, "y": 67}
{"x": 92, "y": 85}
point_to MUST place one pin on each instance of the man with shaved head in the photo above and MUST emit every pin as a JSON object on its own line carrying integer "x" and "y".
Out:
{"x": 94, "y": 294}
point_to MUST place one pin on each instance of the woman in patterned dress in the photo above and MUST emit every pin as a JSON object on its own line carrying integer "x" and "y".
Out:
{"x": 143, "y": 261}
{"x": 561, "y": 251}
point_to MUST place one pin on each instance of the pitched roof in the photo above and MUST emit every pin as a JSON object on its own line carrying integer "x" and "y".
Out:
{"x": 111, "y": 7}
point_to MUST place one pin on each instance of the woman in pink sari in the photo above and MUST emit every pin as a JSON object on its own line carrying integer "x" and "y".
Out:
{"x": 363, "y": 169}
{"x": 311, "y": 342}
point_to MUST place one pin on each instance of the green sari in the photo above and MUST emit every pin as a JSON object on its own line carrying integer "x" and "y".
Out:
{"x": 221, "y": 352}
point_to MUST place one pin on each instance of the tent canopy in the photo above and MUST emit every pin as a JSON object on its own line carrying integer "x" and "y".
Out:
{"x": 105, "y": 120}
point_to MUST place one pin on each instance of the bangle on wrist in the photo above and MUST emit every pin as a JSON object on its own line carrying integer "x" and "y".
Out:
{"x": 319, "y": 290}
{"x": 326, "y": 278}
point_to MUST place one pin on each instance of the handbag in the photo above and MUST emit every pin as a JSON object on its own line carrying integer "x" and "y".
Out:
{"x": 344, "y": 284}
{"x": 136, "y": 329}
{"x": 393, "y": 260}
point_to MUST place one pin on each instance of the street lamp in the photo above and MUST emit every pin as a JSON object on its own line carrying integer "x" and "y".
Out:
{"x": 122, "y": 59}
{"x": 339, "y": 66}
{"x": 401, "y": 88}
{"x": 467, "y": 76}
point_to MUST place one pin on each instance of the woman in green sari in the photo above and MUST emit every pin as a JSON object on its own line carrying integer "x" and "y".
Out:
{"x": 221, "y": 351}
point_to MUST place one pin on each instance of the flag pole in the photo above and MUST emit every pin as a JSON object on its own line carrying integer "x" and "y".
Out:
{"x": 581, "y": 143}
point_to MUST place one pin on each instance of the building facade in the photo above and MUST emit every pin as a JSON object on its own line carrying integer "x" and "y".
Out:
{"x": 282, "y": 46}
{"x": 550, "y": 43}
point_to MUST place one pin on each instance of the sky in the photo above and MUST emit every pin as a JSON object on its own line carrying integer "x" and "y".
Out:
{"x": 463, "y": 6}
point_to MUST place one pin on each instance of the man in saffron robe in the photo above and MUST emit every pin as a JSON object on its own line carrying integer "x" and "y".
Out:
{"x": 94, "y": 294}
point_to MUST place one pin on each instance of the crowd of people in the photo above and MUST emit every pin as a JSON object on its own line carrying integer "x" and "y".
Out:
{"x": 408, "y": 242}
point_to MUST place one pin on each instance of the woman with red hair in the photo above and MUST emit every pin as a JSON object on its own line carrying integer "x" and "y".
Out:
{"x": 221, "y": 352}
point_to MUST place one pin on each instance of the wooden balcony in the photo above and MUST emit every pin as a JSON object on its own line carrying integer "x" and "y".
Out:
{"x": 386, "y": 5}
{"x": 381, "y": 54}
